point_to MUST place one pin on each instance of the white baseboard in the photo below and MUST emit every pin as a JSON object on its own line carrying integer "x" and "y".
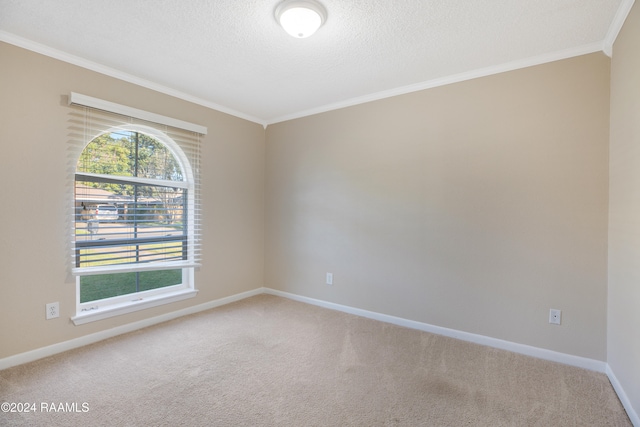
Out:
{"x": 18, "y": 359}
{"x": 633, "y": 415}
{"x": 540, "y": 353}
{"x": 594, "y": 365}
{"x": 554, "y": 356}
{"x": 50, "y": 350}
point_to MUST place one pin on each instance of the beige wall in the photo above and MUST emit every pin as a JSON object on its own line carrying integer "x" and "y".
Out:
{"x": 33, "y": 172}
{"x": 476, "y": 206}
{"x": 624, "y": 211}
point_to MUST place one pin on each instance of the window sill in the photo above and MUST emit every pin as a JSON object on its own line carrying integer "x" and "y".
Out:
{"x": 113, "y": 310}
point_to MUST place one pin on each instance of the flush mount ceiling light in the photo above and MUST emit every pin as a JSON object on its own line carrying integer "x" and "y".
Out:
{"x": 300, "y": 18}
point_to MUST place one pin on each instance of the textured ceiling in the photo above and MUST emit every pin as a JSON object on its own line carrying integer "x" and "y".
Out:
{"x": 233, "y": 56}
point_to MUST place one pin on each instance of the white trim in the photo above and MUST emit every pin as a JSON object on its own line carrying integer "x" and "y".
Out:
{"x": 130, "y": 306}
{"x": 540, "y": 353}
{"x": 455, "y": 78}
{"x": 111, "y": 72}
{"x": 135, "y": 179}
{"x": 568, "y": 359}
{"x": 50, "y": 350}
{"x": 112, "y": 107}
{"x": 130, "y": 268}
{"x": 616, "y": 26}
{"x": 624, "y": 399}
{"x": 594, "y": 365}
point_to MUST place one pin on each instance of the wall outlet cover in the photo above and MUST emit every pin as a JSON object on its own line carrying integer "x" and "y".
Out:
{"x": 555, "y": 316}
{"x": 53, "y": 310}
{"x": 329, "y": 278}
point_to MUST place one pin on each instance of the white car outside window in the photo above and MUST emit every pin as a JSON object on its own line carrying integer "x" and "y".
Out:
{"x": 106, "y": 213}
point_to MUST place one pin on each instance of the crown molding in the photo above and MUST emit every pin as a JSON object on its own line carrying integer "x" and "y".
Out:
{"x": 616, "y": 26}
{"x": 604, "y": 46}
{"x": 455, "y": 78}
{"x": 111, "y": 72}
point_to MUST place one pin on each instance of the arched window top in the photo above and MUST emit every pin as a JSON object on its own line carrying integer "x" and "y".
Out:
{"x": 135, "y": 151}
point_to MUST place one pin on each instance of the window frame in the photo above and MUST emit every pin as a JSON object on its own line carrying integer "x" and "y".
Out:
{"x": 122, "y": 304}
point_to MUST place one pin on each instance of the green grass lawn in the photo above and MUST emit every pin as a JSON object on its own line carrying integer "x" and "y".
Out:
{"x": 102, "y": 286}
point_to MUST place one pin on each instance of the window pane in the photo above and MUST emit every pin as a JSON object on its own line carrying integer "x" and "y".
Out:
{"x": 109, "y": 154}
{"x": 155, "y": 161}
{"x": 115, "y": 154}
{"x": 129, "y": 224}
{"x": 122, "y": 221}
{"x": 102, "y": 286}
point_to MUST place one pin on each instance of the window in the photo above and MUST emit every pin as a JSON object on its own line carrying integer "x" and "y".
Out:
{"x": 135, "y": 214}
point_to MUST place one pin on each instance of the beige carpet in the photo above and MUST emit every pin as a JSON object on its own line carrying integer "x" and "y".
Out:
{"x": 269, "y": 361}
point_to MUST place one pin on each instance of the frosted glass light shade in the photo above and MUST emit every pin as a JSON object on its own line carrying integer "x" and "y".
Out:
{"x": 300, "y": 18}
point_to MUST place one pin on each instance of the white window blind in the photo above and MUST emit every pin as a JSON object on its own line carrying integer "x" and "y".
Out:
{"x": 136, "y": 187}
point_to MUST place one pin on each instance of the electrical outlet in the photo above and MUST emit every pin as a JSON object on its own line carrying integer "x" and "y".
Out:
{"x": 555, "y": 316}
{"x": 53, "y": 310}
{"x": 329, "y": 278}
